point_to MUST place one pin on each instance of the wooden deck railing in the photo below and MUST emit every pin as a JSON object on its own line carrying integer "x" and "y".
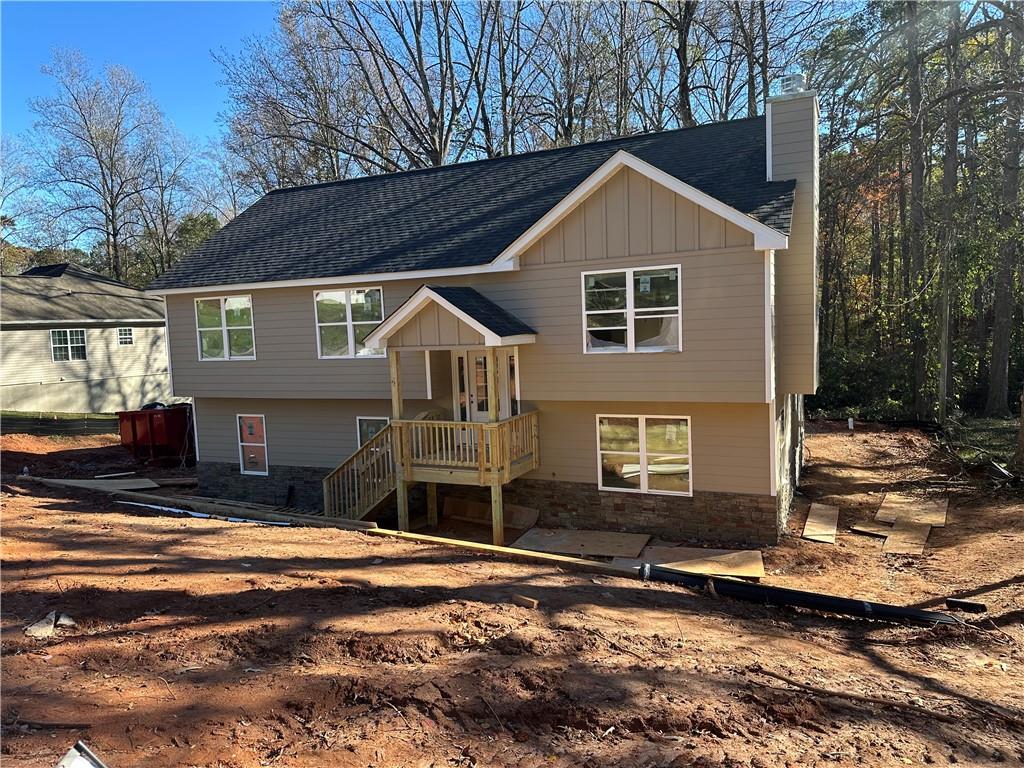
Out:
{"x": 363, "y": 480}
{"x": 491, "y": 451}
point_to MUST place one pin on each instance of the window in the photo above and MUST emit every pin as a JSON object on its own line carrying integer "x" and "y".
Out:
{"x": 644, "y": 454}
{"x": 224, "y": 327}
{"x": 252, "y": 444}
{"x": 67, "y": 345}
{"x": 345, "y": 318}
{"x": 632, "y": 310}
{"x": 125, "y": 337}
{"x": 368, "y": 426}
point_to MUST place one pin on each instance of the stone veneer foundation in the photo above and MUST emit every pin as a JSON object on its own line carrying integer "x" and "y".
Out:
{"x": 725, "y": 517}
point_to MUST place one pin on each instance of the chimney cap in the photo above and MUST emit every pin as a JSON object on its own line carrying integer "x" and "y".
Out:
{"x": 795, "y": 82}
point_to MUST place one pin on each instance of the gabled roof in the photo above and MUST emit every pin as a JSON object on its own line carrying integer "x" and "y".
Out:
{"x": 497, "y": 326}
{"x": 64, "y": 293}
{"x": 465, "y": 215}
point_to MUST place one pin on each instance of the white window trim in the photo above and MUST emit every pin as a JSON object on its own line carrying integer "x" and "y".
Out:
{"x": 643, "y": 451}
{"x": 130, "y": 337}
{"x": 349, "y": 322}
{"x": 630, "y": 310}
{"x": 224, "y": 328}
{"x": 85, "y": 344}
{"x": 360, "y": 419}
{"x": 241, "y": 454}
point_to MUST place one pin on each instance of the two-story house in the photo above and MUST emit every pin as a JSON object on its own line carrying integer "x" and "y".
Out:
{"x": 618, "y": 333}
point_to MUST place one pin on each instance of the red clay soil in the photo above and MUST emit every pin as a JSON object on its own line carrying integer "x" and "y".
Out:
{"x": 216, "y": 644}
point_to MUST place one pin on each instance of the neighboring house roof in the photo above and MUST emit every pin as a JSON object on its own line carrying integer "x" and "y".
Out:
{"x": 63, "y": 293}
{"x": 497, "y": 326}
{"x": 466, "y": 214}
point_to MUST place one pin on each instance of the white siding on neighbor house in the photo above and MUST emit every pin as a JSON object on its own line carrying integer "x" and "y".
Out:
{"x": 628, "y": 222}
{"x": 113, "y": 377}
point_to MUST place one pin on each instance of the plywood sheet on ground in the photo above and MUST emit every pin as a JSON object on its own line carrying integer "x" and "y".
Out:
{"x": 871, "y": 528}
{"x": 898, "y": 506}
{"x": 112, "y": 484}
{"x": 908, "y": 537}
{"x": 565, "y": 541}
{"x": 469, "y": 511}
{"x": 743, "y": 563}
{"x": 821, "y": 523}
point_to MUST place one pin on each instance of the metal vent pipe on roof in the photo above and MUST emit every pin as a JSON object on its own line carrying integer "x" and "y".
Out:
{"x": 794, "y": 83}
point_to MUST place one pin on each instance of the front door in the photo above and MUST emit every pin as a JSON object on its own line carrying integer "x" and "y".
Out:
{"x": 472, "y": 398}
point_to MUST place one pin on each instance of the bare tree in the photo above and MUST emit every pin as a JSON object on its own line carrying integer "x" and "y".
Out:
{"x": 679, "y": 17}
{"x": 93, "y": 143}
{"x": 166, "y": 201}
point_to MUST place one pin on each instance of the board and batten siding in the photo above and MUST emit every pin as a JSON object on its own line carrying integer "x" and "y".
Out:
{"x": 112, "y": 378}
{"x": 628, "y": 222}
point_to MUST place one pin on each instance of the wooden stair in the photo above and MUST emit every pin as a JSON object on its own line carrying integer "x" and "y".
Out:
{"x": 364, "y": 480}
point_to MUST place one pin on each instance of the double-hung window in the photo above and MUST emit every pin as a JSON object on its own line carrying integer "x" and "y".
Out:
{"x": 344, "y": 318}
{"x": 125, "y": 337}
{"x": 225, "y": 329}
{"x": 644, "y": 454}
{"x": 252, "y": 444}
{"x": 67, "y": 344}
{"x": 368, "y": 427}
{"x": 632, "y": 310}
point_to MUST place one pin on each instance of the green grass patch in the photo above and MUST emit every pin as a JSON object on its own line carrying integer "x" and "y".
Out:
{"x": 981, "y": 440}
{"x": 54, "y": 416}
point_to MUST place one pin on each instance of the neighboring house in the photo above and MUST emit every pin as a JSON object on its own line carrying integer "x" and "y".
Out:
{"x": 74, "y": 341}
{"x": 618, "y": 334}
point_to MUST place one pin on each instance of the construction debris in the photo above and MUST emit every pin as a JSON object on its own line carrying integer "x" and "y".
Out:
{"x": 524, "y": 601}
{"x": 99, "y": 485}
{"x": 43, "y": 628}
{"x": 968, "y": 606}
{"x": 907, "y": 537}
{"x": 741, "y": 563}
{"x": 570, "y": 542}
{"x": 898, "y": 506}
{"x": 821, "y": 523}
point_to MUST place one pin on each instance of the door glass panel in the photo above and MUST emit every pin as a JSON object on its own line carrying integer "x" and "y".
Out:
{"x": 513, "y": 386}
{"x": 463, "y": 396}
{"x": 480, "y": 383}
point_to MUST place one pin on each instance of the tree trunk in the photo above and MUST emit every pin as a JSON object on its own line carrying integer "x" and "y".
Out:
{"x": 917, "y": 228}
{"x": 1009, "y": 222}
{"x": 1018, "y": 455}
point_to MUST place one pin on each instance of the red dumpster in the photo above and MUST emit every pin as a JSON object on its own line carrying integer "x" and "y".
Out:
{"x": 159, "y": 433}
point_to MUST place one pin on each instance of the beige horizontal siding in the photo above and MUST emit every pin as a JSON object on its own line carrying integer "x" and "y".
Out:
{"x": 628, "y": 222}
{"x": 730, "y": 443}
{"x": 113, "y": 377}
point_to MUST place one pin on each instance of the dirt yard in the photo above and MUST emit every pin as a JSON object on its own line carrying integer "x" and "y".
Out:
{"x": 202, "y": 643}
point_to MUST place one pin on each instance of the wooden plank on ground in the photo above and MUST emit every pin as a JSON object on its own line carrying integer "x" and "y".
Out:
{"x": 821, "y": 523}
{"x": 112, "y": 484}
{"x": 898, "y": 506}
{"x": 871, "y": 528}
{"x": 565, "y": 541}
{"x": 743, "y": 563}
{"x": 908, "y": 537}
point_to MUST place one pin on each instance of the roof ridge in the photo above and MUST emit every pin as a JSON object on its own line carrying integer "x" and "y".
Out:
{"x": 531, "y": 153}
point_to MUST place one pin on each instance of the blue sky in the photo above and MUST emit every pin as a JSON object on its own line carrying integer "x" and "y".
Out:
{"x": 166, "y": 44}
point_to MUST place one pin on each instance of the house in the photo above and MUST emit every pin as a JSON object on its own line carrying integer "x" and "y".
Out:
{"x": 619, "y": 334}
{"x": 74, "y": 341}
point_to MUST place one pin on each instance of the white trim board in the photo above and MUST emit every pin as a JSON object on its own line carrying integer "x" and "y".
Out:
{"x": 425, "y": 295}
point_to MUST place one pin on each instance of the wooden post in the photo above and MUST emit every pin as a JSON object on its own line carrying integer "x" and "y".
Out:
{"x": 432, "y": 505}
{"x": 497, "y": 516}
{"x": 492, "y": 385}
{"x": 396, "y": 383}
{"x": 402, "y": 490}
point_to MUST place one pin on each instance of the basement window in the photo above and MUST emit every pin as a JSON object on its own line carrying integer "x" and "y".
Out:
{"x": 644, "y": 454}
{"x": 252, "y": 444}
{"x": 344, "y": 318}
{"x": 224, "y": 328}
{"x": 125, "y": 337}
{"x": 632, "y": 310}
{"x": 66, "y": 345}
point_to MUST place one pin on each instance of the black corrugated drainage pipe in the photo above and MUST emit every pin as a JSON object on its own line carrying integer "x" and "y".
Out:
{"x": 759, "y": 593}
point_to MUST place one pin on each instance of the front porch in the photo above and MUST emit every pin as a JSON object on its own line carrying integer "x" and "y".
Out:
{"x": 486, "y": 440}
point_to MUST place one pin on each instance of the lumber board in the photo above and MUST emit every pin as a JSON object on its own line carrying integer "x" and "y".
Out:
{"x": 821, "y": 523}
{"x": 567, "y": 541}
{"x": 899, "y": 506}
{"x": 871, "y": 528}
{"x": 742, "y": 563}
{"x": 109, "y": 484}
{"x": 908, "y": 537}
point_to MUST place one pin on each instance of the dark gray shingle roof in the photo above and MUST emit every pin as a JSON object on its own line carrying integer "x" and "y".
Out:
{"x": 66, "y": 292}
{"x": 482, "y": 309}
{"x": 464, "y": 214}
